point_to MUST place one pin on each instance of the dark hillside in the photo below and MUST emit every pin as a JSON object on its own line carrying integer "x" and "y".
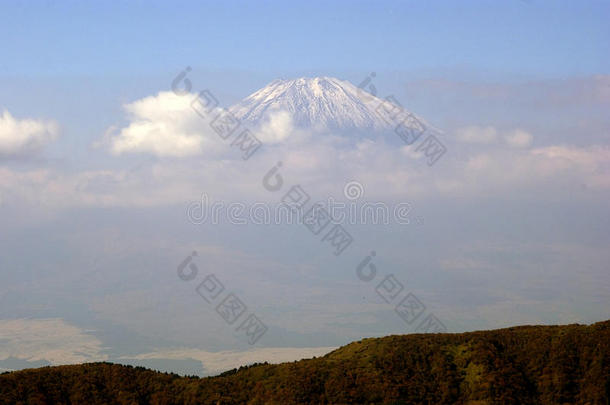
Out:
{"x": 520, "y": 365}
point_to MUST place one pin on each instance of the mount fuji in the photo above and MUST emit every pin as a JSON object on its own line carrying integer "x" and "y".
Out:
{"x": 323, "y": 103}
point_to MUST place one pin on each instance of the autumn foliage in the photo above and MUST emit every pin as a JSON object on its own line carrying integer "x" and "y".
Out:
{"x": 521, "y": 365}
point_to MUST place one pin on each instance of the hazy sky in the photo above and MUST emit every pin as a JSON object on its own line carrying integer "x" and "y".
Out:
{"x": 511, "y": 226}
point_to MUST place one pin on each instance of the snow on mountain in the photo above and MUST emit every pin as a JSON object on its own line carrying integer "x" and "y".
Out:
{"x": 321, "y": 103}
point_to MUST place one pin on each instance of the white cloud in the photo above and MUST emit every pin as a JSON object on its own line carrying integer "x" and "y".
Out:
{"x": 52, "y": 340}
{"x": 167, "y": 125}
{"x": 549, "y": 171}
{"x": 590, "y": 165}
{"x": 164, "y": 125}
{"x": 276, "y": 128}
{"x": 518, "y": 139}
{"x": 21, "y": 137}
{"x": 475, "y": 134}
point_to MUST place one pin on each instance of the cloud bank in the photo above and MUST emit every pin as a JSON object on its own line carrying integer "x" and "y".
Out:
{"x": 20, "y": 137}
{"x": 53, "y": 340}
{"x": 164, "y": 125}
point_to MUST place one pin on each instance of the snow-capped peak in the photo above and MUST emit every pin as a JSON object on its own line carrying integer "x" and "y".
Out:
{"x": 320, "y": 102}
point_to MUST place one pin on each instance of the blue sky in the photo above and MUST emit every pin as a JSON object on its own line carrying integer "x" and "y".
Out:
{"x": 541, "y": 38}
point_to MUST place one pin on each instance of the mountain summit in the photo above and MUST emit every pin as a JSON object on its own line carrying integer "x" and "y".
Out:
{"x": 320, "y": 102}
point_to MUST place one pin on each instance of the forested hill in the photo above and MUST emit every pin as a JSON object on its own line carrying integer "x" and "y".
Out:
{"x": 520, "y": 365}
